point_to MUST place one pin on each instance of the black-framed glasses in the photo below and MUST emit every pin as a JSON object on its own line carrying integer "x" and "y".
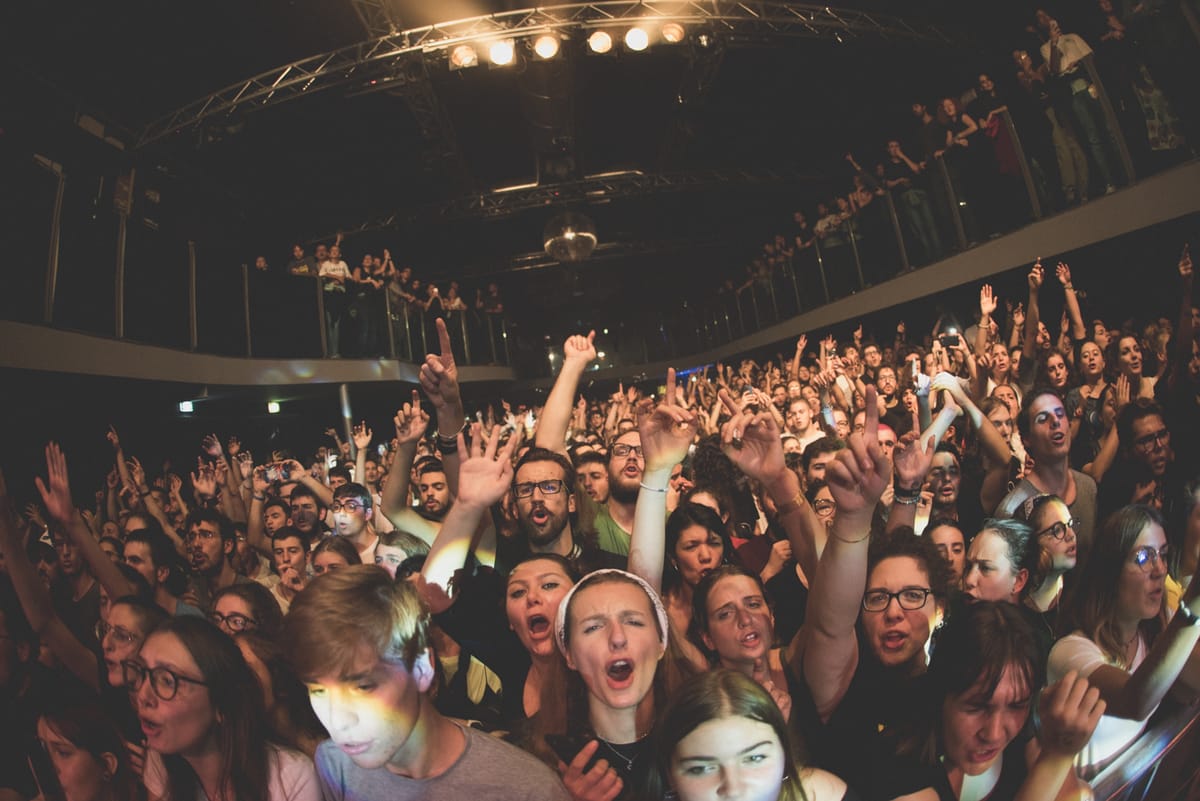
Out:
{"x": 164, "y": 681}
{"x": 551, "y": 486}
{"x": 120, "y": 634}
{"x": 201, "y": 534}
{"x": 234, "y": 621}
{"x": 1059, "y": 530}
{"x": 910, "y": 598}
{"x": 825, "y": 507}
{"x": 1154, "y": 438}
{"x": 353, "y": 507}
{"x": 621, "y": 450}
{"x": 1146, "y": 557}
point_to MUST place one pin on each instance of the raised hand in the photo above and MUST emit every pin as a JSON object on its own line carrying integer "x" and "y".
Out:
{"x": 136, "y": 471}
{"x": 439, "y": 373}
{"x": 859, "y": 474}
{"x": 802, "y": 344}
{"x": 258, "y": 480}
{"x": 1185, "y": 264}
{"x": 1063, "y": 273}
{"x": 211, "y": 445}
{"x": 948, "y": 384}
{"x": 751, "y": 441}
{"x": 204, "y": 480}
{"x": 113, "y": 438}
{"x": 332, "y": 433}
{"x": 987, "y": 301}
{"x": 112, "y": 480}
{"x": 175, "y": 483}
{"x": 912, "y": 459}
{"x": 233, "y": 446}
{"x": 1068, "y": 710}
{"x": 56, "y": 491}
{"x": 601, "y": 783}
{"x": 667, "y": 432}
{"x": 411, "y": 421}
{"x": 487, "y": 473}
{"x": 1122, "y": 392}
{"x": 1018, "y": 316}
{"x": 1036, "y": 274}
{"x": 579, "y": 348}
{"x": 362, "y": 435}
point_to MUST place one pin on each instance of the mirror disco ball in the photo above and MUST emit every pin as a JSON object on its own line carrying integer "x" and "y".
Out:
{"x": 569, "y": 237}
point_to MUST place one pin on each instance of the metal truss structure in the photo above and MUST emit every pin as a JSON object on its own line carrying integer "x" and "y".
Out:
{"x": 386, "y": 59}
{"x": 378, "y": 17}
{"x": 592, "y": 190}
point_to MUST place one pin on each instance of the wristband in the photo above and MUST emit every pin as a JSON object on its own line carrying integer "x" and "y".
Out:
{"x": 447, "y": 445}
{"x": 258, "y": 497}
{"x": 453, "y": 436}
{"x": 900, "y": 492}
{"x": 653, "y": 489}
{"x": 1068, "y": 286}
{"x": 906, "y": 501}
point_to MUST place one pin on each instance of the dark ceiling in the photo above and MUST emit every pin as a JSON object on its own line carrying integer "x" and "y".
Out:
{"x": 306, "y": 168}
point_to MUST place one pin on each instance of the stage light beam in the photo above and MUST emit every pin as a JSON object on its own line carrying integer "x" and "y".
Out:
{"x": 502, "y": 53}
{"x": 672, "y": 33}
{"x": 463, "y": 56}
{"x": 546, "y": 46}
{"x": 600, "y": 42}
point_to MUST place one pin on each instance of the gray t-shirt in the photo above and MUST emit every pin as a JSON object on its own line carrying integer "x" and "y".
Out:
{"x": 1083, "y": 509}
{"x": 488, "y": 770}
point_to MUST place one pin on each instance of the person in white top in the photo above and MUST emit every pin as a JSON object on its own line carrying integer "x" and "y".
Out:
{"x": 334, "y": 274}
{"x": 1121, "y": 639}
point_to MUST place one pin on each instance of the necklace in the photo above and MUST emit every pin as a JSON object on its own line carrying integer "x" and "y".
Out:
{"x": 619, "y": 751}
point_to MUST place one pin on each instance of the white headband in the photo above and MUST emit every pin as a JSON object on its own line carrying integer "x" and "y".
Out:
{"x": 560, "y": 622}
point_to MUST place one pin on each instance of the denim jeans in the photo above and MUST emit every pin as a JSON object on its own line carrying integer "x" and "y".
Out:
{"x": 1090, "y": 117}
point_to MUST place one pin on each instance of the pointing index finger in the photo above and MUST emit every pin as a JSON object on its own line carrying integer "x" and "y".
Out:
{"x": 444, "y": 339}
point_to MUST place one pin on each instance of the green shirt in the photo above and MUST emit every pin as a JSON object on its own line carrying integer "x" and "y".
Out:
{"x": 609, "y": 536}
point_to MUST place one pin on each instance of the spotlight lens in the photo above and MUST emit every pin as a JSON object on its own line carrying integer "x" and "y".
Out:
{"x": 501, "y": 53}
{"x": 637, "y": 39}
{"x": 600, "y": 42}
{"x": 672, "y": 32}
{"x": 546, "y": 46}
{"x": 186, "y": 407}
{"x": 464, "y": 56}
{"x": 273, "y": 407}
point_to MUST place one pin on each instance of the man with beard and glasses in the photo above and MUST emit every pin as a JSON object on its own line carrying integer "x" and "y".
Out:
{"x": 614, "y": 520}
{"x": 210, "y": 542}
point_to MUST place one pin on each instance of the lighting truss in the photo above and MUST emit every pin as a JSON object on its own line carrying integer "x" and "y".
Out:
{"x": 382, "y": 59}
{"x": 593, "y": 190}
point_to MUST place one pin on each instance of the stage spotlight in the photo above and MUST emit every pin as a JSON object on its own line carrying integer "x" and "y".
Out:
{"x": 546, "y": 46}
{"x": 186, "y": 407}
{"x": 272, "y": 407}
{"x": 502, "y": 53}
{"x": 600, "y": 42}
{"x": 672, "y": 33}
{"x": 463, "y": 56}
{"x": 637, "y": 39}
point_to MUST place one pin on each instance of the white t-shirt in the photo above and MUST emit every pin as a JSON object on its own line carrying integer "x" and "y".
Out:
{"x": 1076, "y": 652}
{"x": 293, "y": 777}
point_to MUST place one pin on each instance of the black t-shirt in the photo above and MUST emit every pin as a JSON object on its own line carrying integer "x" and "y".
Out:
{"x": 896, "y": 170}
{"x": 789, "y": 598}
{"x": 306, "y": 265}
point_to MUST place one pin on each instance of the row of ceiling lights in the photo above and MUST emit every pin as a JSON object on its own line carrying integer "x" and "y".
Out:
{"x": 502, "y": 52}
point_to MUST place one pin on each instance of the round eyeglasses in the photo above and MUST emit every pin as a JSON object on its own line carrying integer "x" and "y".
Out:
{"x": 1059, "y": 530}
{"x": 234, "y": 621}
{"x": 164, "y": 681}
{"x": 1148, "y": 556}
{"x": 121, "y": 635}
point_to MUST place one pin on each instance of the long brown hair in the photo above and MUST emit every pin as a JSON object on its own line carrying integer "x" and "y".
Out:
{"x": 1092, "y": 606}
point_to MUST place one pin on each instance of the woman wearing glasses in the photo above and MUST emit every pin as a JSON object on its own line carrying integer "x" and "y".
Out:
{"x": 201, "y": 711}
{"x": 1054, "y": 532}
{"x": 1120, "y": 639}
{"x": 247, "y": 607}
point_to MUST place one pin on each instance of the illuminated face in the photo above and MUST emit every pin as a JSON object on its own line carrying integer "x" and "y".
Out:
{"x": 1091, "y": 360}
{"x": 350, "y": 515}
{"x": 289, "y": 552}
{"x": 741, "y": 627}
{"x": 371, "y": 710}
{"x": 535, "y": 589}
{"x": 206, "y": 548}
{"x": 897, "y": 636}
{"x": 1000, "y": 361}
{"x": 328, "y": 561}
{"x": 625, "y": 471}
{"x": 793, "y": 389}
{"x": 434, "y": 493}
{"x": 1140, "y": 594}
{"x": 732, "y": 757}
{"x": 371, "y": 472}
{"x": 1008, "y": 396}
{"x": 121, "y": 641}
{"x": 306, "y": 515}
{"x": 139, "y": 557}
{"x": 1049, "y": 435}
{"x": 1129, "y": 354}
{"x": 614, "y": 643}
{"x": 230, "y": 604}
{"x": 274, "y": 518}
{"x": 949, "y": 542}
{"x": 978, "y": 726}
{"x": 990, "y": 574}
{"x": 594, "y": 479}
{"x": 886, "y": 382}
{"x": 1056, "y": 371}
{"x": 985, "y": 83}
{"x": 697, "y": 552}
{"x": 799, "y": 416}
{"x": 945, "y": 480}
{"x": 1152, "y": 443}
{"x": 187, "y": 721}
{"x": 389, "y": 558}
{"x": 1002, "y": 419}
{"x": 887, "y": 441}
{"x": 1052, "y": 517}
{"x": 841, "y": 423}
{"x": 83, "y": 777}
{"x": 543, "y": 516}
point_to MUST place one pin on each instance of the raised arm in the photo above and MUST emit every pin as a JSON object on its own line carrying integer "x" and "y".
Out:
{"x": 487, "y": 475}
{"x": 987, "y": 307}
{"x": 1033, "y": 313}
{"x": 439, "y": 380}
{"x": 411, "y": 422}
{"x": 578, "y": 353}
{"x": 1183, "y": 329}
{"x": 857, "y": 479}
{"x": 666, "y": 434}
{"x": 56, "y": 495}
{"x": 1063, "y": 273}
{"x": 912, "y": 459}
{"x": 36, "y": 601}
{"x": 362, "y": 436}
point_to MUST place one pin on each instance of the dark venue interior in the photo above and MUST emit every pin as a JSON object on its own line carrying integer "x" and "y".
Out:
{"x": 621, "y": 400}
